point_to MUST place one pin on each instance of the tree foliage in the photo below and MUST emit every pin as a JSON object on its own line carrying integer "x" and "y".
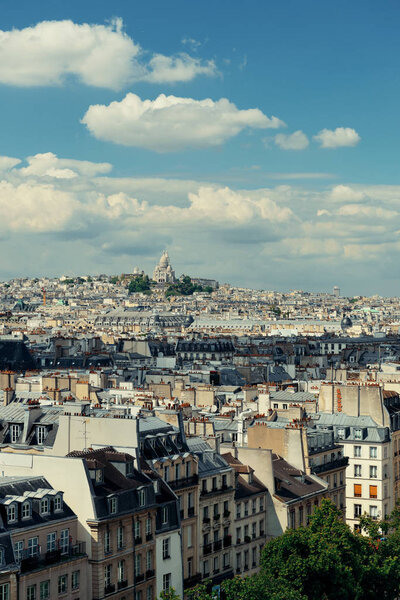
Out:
{"x": 185, "y": 287}
{"x": 324, "y": 561}
{"x": 139, "y": 284}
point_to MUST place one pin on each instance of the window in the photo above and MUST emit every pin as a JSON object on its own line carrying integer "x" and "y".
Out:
{"x": 216, "y": 508}
{"x": 51, "y": 541}
{"x": 14, "y": 433}
{"x": 261, "y": 527}
{"x": 167, "y": 581}
{"x": 204, "y": 486}
{"x": 11, "y": 513}
{"x": 357, "y": 470}
{"x": 33, "y": 546}
{"x": 18, "y": 548}
{"x": 64, "y": 541}
{"x": 26, "y": 510}
{"x": 206, "y": 570}
{"x": 224, "y": 481}
{"x": 148, "y": 526}
{"x": 165, "y": 548}
{"x": 187, "y": 467}
{"x": 373, "y": 452}
{"x": 31, "y": 592}
{"x": 357, "y": 511}
{"x": 190, "y": 536}
{"x": 357, "y": 434}
{"x": 238, "y": 534}
{"x": 120, "y": 537}
{"x": 292, "y": 518}
{"x": 107, "y": 542}
{"x": 149, "y": 560}
{"x": 254, "y": 507}
{"x": 137, "y": 530}
{"x": 214, "y": 483}
{"x": 357, "y": 451}
{"x": 373, "y": 491}
{"x": 44, "y": 506}
{"x": 40, "y": 434}
{"x": 261, "y": 504}
{"x": 113, "y": 505}
{"x": 357, "y": 490}
{"x": 62, "y": 584}
{"x": 216, "y": 564}
{"x": 254, "y": 556}
{"x": 190, "y": 500}
{"x": 385, "y": 452}
{"x": 107, "y": 575}
{"x": 5, "y": 591}
{"x": 138, "y": 564}
{"x": 373, "y": 471}
{"x": 149, "y": 593}
{"x": 166, "y": 474}
{"x": 238, "y": 510}
{"x": 44, "y": 589}
{"x": 142, "y": 497}
{"x": 177, "y": 472}
{"x": 138, "y": 595}
{"x": 341, "y": 433}
{"x": 57, "y": 503}
{"x": 75, "y": 577}
{"x": 190, "y": 566}
{"x": 225, "y": 559}
{"x": 254, "y": 530}
{"x": 238, "y": 561}
{"x": 121, "y": 570}
{"x": 301, "y": 515}
{"x": 246, "y": 509}
{"x": 164, "y": 515}
{"x": 373, "y": 512}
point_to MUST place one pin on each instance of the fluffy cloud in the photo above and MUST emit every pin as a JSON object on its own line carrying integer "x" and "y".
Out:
{"x": 341, "y": 136}
{"x": 344, "y": 193}
{"x": 98, "y": 55}
{"x": 169, "y": 123}
{"x": 49, "y": 165}
{"x": 294, "y": 141}
{"x": 7, "y": 162}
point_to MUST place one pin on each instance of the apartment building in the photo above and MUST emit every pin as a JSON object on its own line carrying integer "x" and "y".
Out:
{"x": 45, "y": 550}
{"x": 216, "y": 511}
{"x": 250, "y": 514}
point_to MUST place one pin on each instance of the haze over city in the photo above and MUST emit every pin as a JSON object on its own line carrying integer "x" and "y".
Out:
{"x": 258, "y": 143}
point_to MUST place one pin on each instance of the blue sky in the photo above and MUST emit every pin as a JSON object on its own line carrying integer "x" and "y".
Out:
{"x": 223, "y": 183}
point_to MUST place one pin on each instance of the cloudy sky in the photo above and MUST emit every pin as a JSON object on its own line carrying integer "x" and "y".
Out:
{"x": 258, "y": 141}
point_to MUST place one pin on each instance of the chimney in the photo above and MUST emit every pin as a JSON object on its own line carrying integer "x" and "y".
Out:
{"x": 8, "y": 396}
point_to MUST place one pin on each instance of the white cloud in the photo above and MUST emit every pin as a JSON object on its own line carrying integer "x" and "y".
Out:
{"x": 49, "y": 165}
{"x": 168, "y": 69}
{"x": 344, "y": 193}
{"x": 323, "y": 213}
{"x": 98, "y": 55}
{"x": 370, "y": 212}
{"x": 294, "y": 141}
{"x": 169, "y": 123}
{"x": 35, "y": 208}
{"x": 341, "y": 136}
{"x": 7, "y": 162}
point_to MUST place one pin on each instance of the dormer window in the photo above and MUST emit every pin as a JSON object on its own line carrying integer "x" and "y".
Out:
{"x": 26, "y": 510}
{"x": 2, "y": 556}
{"x": 99, "y": 475}
{"x": 129, "y": 468}
{"x": 57, "y": 503}
{"x": 11, "y": 513}
{"x": 113, "y": 505}
{"x": 15, "y": 431}
{"x": 142, "y": 497}
{"x": 44, "y": 506}
{"x": 358, "y": 434}
{"x": 250, "y": 477}
{"x": 41, "y": 432}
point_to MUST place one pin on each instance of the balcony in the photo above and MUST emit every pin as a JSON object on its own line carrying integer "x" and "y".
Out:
{"x": 192, "y": 581}
{"x": 122, "y": 584}
{"x": 329, "y": 466}
{"x": 42, "y": 561}
{"x": 215, "y": 491}
{"x": 139, "y": 578}
{"x": 191, "y": 511}
{"x": 217, "y": 545}
{"x": 109, "y": 589}
{"x": 216, "y": 517}
{"x": 226, "y": 513}
{"x": 207, "y": 549}
{"x": 227, "y": 541}
{"x": 184, "y": 482}
{"x": 138, "y": 540}
{"x": 150, "y": 573}
{"x": 206, "y": 520}
{"x": 149, "y": 537}
{"x": 247, "y": 539}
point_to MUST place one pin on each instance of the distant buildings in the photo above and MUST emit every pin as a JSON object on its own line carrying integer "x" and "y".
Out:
{"x": 163, "y": 272}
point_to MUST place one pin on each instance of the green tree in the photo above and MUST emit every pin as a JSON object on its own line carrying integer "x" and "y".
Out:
{"x": 114, "y": 279}
{"x": 139, "y": 284}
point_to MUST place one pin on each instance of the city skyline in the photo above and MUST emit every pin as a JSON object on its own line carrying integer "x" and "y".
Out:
{"x": 257, "y": 146}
